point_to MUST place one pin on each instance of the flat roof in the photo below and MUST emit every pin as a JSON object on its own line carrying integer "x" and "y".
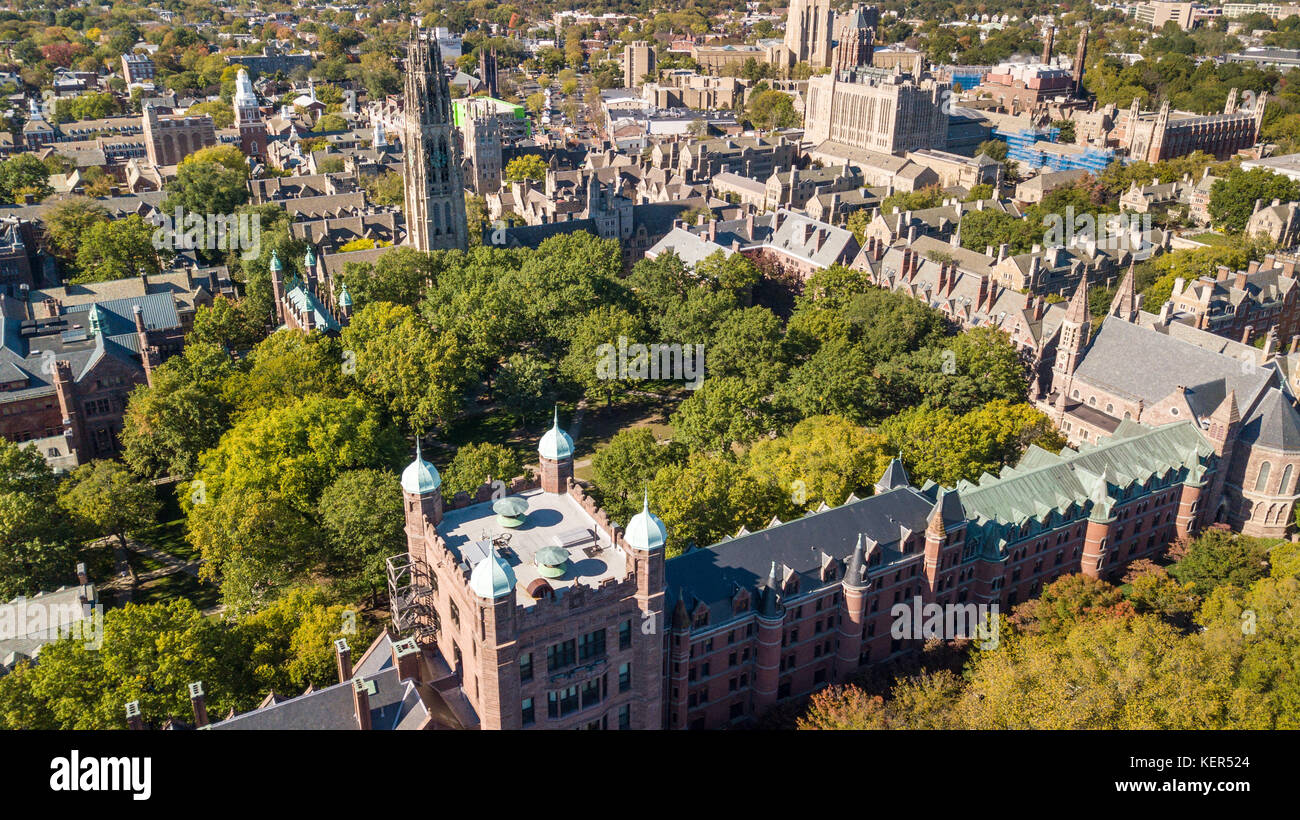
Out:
{"x": 552, "y": 520}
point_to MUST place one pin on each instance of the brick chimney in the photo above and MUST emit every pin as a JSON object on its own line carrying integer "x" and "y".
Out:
{"x": 344, "y": 654}
{"x": 362, "y": 689}
{"x": 133, "y": 719}
{"x": 200, "y": 707}
{"x": 406, "y": 657}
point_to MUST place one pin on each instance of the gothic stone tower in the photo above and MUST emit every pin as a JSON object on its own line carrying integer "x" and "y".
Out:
{"x": 482, "y": 133}
{"x": 435, "y": 194}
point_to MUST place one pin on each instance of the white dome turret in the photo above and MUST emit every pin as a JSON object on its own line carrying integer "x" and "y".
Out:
{"x": 555, "y": 444}
{"x": 646, "y": 532}
{"x": 493, "y": 577}
{"x": 420, "y": 476}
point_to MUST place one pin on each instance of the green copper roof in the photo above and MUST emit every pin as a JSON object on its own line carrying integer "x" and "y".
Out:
{"x": 1043, "y": 483}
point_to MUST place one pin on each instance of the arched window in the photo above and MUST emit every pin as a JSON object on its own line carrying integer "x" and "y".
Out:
{"x": 1262, "y": 480}
{"x": 1092, "y": 401}
{"x": 1285, "y": 487}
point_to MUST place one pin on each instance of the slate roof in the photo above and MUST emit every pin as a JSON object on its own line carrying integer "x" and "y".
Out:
{"x": 690, "y": 248}
{"x": 1274, "y": 423}
{"x": 714, "y": 574}
{"x": 1140, "y": 363}
{"x": 395, "y": 704}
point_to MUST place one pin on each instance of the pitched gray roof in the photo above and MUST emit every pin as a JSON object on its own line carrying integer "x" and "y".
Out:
{"x": 1142, "y": 363}
{"x": 1274, "y": 423}
{"x": 714, "y": 574}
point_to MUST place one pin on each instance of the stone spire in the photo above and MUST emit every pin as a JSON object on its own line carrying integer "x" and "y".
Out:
{"x": 772, "y": 594}
{"x": 1077, "y": 310}
{"x": 853, "y": 574}
{"x": 1124, "y": 305}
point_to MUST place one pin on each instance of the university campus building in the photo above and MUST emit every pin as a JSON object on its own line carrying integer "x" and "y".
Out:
{"x": 526, "y": 607}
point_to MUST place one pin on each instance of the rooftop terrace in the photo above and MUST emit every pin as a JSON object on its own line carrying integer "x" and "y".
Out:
{"x": 552, "y": 520}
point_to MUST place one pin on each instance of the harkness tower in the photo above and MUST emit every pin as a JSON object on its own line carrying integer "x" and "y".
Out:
{"x": 434, "y": 190}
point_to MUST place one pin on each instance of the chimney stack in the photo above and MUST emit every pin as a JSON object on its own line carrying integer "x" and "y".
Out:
{"x": 362, "y": 689}
{"x": 406, "y": 657}
{"x": 344, "y": 654}
{"x": 200, "y": 707}
{"x": 82, "y": 577}
{"x": 133, "y": 719}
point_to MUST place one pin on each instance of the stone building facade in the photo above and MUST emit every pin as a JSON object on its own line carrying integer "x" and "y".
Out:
{"x": 1148, "y": 369}
{"x": 171, "y": 138}
{"x": 435, "y": 192}
{"x": 546, "y": 615}
{"x": 889, "y": 112}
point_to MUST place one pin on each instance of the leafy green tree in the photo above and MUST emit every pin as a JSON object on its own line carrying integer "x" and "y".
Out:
{"x": 940, "y": 445}
{"x": 206, "y": 187}
{"x": 968, "y": 370}
{"x": 836, "y": 380}
{"x": 149, "y": 653}
{"x": 67, "y": 223}
{"x": 822, "y": 460}
{"x": 223, "y": 116}
{"x": 399, "y": 276}
{"x": 527, "y": 166}
{"x": 363, "y": 518}
{"x": 252, "y": 509}
{"x": 749, "y": 344}
{"x": 522, "y": 386}
{"x": 1217, "y": 558}
{"x": 1232, "y": 199}
{"x": 625, "y": 466}
{"x": 723, "y": 413}
{"x": 227, "y": 156}
{"x": 768, "y": 109}
{"x": 289, "y": 645}
{"x": 286, "y": 366}
{"x": 117, "y": 249}
{"x": 475, "y": 464}
{"x": 107, "y": 499}
{"x": 591, "y": 364}
{"x": 403, "y": 364}
{"x": 707, "y": 498}
{"x": 169, "y": 424}
{"x": 38, "y": 548}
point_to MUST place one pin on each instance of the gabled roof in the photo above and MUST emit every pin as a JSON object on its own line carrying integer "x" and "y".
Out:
{"x": 1142, "y": 363}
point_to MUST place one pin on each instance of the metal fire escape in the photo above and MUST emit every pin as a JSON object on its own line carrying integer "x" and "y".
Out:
{"x": 409, "y": 596}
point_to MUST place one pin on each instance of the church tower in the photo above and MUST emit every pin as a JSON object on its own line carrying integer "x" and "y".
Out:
{"x": 435, "y": 194}
{"x": 248, "y": 118}
{"x": 1074, "y": 335}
